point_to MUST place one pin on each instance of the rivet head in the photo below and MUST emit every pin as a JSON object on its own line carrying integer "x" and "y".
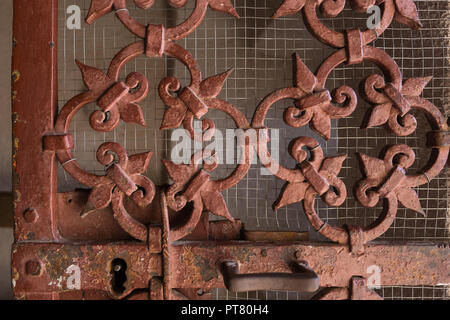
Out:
{"x": 30, "y": 215}
{"x": 33, "y": 268}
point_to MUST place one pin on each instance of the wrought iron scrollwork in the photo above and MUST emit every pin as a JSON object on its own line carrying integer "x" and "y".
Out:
{"x": 314, "y": 104}
{"x": 392, "y": 98}
{"x": 119, "y": 100}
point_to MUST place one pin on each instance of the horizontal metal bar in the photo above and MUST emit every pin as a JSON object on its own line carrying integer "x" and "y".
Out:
{"x": 194, "y": 264}
{"x": 40, "y": 268}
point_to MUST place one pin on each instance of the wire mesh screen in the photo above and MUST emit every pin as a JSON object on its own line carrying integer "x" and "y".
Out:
{"x": 387, "y": 292}
{"x": 260, "y": 50}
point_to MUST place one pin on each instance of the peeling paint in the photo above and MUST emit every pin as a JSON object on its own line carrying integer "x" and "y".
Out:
{"x": 30, "y": 236}
{"x": 16, "y": 143}
{"x": 243, "y": 255}
{"x": 13, "y": 95}
{"x": 58, "y": 261}
{"x": 17, "y": 198}
{"x": 15, "y": 117}
{"x": 206, "y": 271}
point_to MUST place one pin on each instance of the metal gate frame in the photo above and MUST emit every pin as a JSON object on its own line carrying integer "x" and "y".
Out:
{"x": 178, "y": 258}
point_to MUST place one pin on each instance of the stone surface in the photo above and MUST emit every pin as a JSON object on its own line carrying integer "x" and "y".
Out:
{"x": 6, "y": 221}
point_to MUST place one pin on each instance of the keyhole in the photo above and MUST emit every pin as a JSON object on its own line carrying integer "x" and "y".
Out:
{"x": 119, "y": 276}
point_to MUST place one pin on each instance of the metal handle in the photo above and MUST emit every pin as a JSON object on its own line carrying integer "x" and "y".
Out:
{"x": 303, "y": 280}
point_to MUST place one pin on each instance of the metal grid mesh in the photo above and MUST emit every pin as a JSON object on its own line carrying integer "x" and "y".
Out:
{"x": 223, "y": 294}
{"x": 260, "y": 51}
{"x": 387, "y": 292}
{"x": 414, "y": 293}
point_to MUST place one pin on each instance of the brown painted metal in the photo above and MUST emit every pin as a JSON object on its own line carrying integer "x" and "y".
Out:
{"x": 33, "y": 112}
{"x": 180, "y": 252}
{"x": 195, "y": 264}
{"x": 409, "y": 264}
{"x": 94, "y": 262}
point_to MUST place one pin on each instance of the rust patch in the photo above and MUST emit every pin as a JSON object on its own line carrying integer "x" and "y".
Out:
{"x": 56, "y": 262}
{"x": 15, "y": 76}
{"x": 200, "y": 266}
{"x": 15, "y": 117}
{"x": 15, "y": 150}
{"x": 30, "y": 236}
{"x": 13, "y": 95}
{"x": 17, "y": 197}
{"x": 189, "y": 259}
{"x": 15, "y": 276}
{"x": 205, "y": 269}
{"x": 243, "y": 255}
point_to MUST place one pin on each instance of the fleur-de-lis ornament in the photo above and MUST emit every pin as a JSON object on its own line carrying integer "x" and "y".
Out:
{"x": 388, "y": 177}
{"x": 190, "y": 99}
{"x": 320, "y": 174}
{"x": 194, "y": 184}
{"x": 124, "y": 173}
{"x": 316, "y": 106}
{"x": 115, "y": 98}
{"x": 391, "y": 102}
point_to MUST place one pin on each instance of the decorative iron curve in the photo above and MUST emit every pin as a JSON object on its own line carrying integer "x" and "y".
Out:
{"x": 314, "y": 104}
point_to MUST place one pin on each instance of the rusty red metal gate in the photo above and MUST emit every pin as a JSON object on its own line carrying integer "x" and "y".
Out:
{"x": 127, "y": 237}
